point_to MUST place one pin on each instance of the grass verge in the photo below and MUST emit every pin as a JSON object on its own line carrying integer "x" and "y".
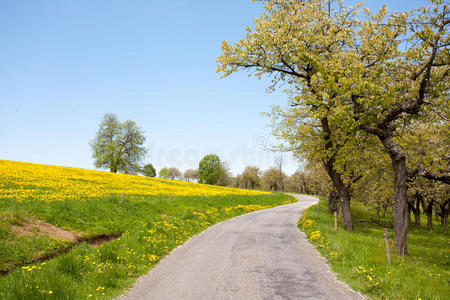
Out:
{"x": 359, "y": 257}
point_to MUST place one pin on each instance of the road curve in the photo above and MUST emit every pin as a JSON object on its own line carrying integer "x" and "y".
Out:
{"x": 260, "y": 255}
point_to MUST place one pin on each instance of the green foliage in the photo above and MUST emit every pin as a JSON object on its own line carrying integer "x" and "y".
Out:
{"x": 210, "y": 169}
{"x": 358, "y": 81}
{"x": 359, "y": 257}
{"x": 118, "y": 146}
{"x": 148, "y": 170}
{"x": 164, "y": 173}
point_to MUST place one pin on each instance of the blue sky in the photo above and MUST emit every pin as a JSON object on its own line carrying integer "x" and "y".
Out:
{"x": 64, "y": 64}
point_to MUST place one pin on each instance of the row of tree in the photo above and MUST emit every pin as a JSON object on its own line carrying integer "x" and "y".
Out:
{"x": 303, "y": 182}
{"x": 274, "y": 179}
{"x": 368, "y": 97}
{"x": 119, "y": 147}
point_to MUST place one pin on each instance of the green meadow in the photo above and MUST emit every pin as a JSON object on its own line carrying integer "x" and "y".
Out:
{"x": 116, "y": 242}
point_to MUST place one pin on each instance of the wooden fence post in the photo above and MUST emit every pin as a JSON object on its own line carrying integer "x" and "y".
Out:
{"x": 203, "y": 196}
{"x": 386, "y": 243}
{"x": 335, "y": 221}
{"x": 170, "y": 197}
{"x": 318, "y": 210}
{"x": 121, "y": 198}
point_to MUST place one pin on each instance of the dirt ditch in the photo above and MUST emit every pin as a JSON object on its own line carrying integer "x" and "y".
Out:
{"x": 41, "y": 228}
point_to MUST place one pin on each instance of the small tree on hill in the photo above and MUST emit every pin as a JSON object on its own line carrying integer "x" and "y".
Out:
{"x": 148, "y": 170}
{"x": 118, "y": 146}
{"x": 174, "y": 173}
{"x": 225, "y": 178}
{"x": 163, "y": 173}
{"x": 191, "y": 175}
{"x": 210, "y": 169}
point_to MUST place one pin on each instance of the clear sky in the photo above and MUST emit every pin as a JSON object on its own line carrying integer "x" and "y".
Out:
{"x": 64, "y": 64}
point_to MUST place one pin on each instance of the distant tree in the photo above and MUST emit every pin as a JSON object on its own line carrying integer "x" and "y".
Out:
{"x": 191, "y": 175}
{"x": 163, "y": 173}
{"x": 443, "y": 207}
{"x": 299, "y": 182}
{"x": 272, "y": 180}
{"x": 148, "y": 170}
{"x": 118, "y": 146}
{"x": 250, "y": 177}
{"x": 279, "y": 165}
{"x": 431, "y": 194}
{"x": 174, "y": 173}
{"x": 225, "y": 178}
{"x": 210, "y": 169}
{"x": 236, "y": 181}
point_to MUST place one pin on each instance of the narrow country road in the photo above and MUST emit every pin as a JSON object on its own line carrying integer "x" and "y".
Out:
{"x": 260, "y": 255}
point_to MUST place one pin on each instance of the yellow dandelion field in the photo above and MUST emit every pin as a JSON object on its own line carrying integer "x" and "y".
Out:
{"x": 27, "y": 181}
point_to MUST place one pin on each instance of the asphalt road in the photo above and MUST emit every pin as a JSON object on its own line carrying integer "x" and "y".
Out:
{"x": 260, "y": 255}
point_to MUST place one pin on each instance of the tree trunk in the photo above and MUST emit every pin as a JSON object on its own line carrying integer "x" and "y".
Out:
{"x": 428, "y": 210}
{"x": 398, "y": 159}
{"x": 417, "y": 217}
{"x": 444, "y": 210}
{"x": 430, "y": 221}
{"x": 332, "y": 199}
{"x": 336, "y": 178}
{"x": 417, "y": 212}
{"x": 344, "y": 197}
{"x": 409, "y": 214}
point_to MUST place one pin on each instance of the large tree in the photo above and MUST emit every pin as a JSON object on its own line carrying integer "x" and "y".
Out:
{"x": 293, "y": 42}
{"x": 398, "y": 74}
{"x": 118, "y": 146}
{"x": 369, "y": 75}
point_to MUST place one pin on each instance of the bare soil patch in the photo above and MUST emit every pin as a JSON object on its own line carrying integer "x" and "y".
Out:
{"x": 40, "y": 228}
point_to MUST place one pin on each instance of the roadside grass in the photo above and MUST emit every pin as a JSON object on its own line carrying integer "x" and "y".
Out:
{"x": 359, "y": 259}
{"x": 151, "y": 227}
